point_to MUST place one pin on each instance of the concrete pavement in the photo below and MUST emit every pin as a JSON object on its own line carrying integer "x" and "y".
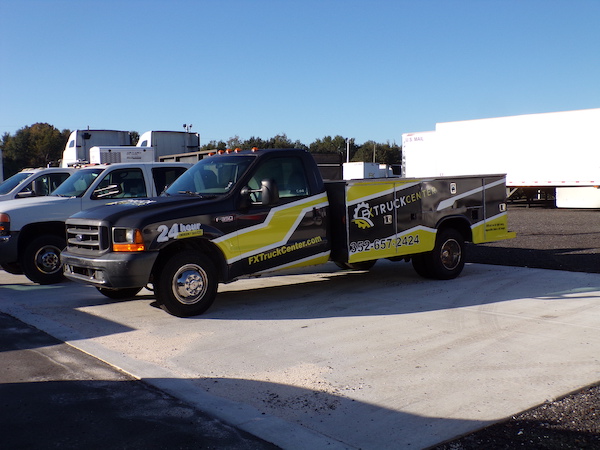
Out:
{"x": 346, "y": 359}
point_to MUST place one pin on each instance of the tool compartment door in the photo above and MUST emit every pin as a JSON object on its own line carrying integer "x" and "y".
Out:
{"x": 384, "y": 219}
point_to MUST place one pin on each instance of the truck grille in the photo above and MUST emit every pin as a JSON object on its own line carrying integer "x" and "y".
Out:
{"x": 86, "y": 237}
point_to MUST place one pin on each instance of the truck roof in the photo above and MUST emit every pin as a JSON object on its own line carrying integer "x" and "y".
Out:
{"x": 134, "y": 164}
{"x": 254, "y": 150}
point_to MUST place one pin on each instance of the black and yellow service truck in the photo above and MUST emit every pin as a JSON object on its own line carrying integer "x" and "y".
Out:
{"x": 237, "y": 213}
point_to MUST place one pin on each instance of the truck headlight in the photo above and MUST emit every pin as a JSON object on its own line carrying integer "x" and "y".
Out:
{"x": 4, "y": 224}
{"x": 128, "y": 240}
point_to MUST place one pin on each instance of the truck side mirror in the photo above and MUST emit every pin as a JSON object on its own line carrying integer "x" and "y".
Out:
{"x": 269, "y": 192}
{"x": 108, "y": 191}
{"x": 40, "y": 188}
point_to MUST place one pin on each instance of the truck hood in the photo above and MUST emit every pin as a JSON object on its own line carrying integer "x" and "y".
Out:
{"x": 134, "y": 212}
{"x": 39, "y": 209}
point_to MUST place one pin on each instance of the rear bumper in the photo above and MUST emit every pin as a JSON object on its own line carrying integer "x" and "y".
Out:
{"x": 112, "y": 270}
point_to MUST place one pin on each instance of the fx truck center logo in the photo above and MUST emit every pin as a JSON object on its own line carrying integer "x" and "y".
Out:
{"x": 363, "y": 212}
{"x": 362, "y": 215}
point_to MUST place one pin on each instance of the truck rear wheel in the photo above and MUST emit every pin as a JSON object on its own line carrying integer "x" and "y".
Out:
{"x": 41, "y": 259}
{"x": 187, "y": 284}
{"x": 446, "y": 260}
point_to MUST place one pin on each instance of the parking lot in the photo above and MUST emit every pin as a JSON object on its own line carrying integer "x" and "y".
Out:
{"x": 346, "y": 359}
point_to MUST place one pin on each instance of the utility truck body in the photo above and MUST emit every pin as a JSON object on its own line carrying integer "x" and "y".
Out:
{"x": 247, "y": 212}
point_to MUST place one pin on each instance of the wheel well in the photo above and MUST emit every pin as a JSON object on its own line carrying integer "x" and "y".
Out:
{"x": 460, "y": 224}
{"x": 199, "y": 245}
{"x": 38, "y": 229}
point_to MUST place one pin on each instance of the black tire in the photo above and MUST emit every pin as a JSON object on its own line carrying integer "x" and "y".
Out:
{"x": 41, "y": 259}
{"x": 119, "y": 294}
{"x": 186, "y": 285}
{"x": 447, "y": 259}
{"x": 420, "y": 263}
{"x": 13, "y": 268}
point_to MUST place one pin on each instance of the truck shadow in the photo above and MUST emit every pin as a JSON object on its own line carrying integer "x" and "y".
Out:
{"x": 387, "y": 289}
{"x": 134, "y": 414}
{"x": 581, "y": 259}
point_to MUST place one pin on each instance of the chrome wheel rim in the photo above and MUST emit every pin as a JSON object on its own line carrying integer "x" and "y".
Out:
{"x": 190, "y": 284}
{"x": 451, "y": 254}
{"x": 47, "y": 259}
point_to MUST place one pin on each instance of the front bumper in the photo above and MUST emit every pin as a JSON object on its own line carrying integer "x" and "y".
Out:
{"x": 8, "y": 248}
{"x": 111, "y": 270}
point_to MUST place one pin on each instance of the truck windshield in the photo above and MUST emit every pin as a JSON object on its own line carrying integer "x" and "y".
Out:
{"x": 213, "y": 175}
{"x": 12, "y": 182}
{"x": 78, "y": 183}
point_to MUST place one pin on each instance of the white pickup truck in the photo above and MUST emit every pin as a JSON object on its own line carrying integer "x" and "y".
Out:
{"x": 33, "y": 182}
{"x": 32, "y": 230}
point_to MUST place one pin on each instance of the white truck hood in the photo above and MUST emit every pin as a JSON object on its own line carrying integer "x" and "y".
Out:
{"x": 39, "y": 209}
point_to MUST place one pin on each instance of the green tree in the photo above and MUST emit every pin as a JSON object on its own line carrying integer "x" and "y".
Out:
{"x": 38, "y": 145}
{"x": 234, "y": 142}
{"x": 135, "y": 137}
{"x": 282, "y": 141}
{"x": 214, "y": 145}
{"x": 372, "y": 151}
{"x": 254, "y": 141}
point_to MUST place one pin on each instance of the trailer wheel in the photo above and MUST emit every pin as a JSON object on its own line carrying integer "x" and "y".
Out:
{"x": 446, "y": 260}
{"x": 41, "y": 259}
{"x": 187, "y": 284}
{"x": 119, "y": 294}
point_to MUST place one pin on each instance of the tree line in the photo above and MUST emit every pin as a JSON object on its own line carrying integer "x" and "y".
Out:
{"x": 42, "y": 144}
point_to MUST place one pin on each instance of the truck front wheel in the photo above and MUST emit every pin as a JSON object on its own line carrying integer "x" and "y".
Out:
{"x": 187, "y": 284}
{"x": 13, "y": 268}
{"x": 446, "y": 260}
{"x": 41, "y": 259}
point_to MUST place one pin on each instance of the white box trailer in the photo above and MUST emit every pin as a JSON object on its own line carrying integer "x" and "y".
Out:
{"x": 170, "y": 142}
{"x": 77, "y": 149}
{"x": 547, "y": 151}
{"x": 126, "y": 154}
{"x": 162, "y": 143}
{"x": 361, "y": 170}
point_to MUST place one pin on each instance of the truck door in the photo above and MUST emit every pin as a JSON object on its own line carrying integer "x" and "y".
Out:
{"x": 117, "y": 184}
{"x": 291, "y": 232}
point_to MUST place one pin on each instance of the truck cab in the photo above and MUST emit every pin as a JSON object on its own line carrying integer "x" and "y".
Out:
{"x": 32, "y": 232}
{"x": 33, "y": 182}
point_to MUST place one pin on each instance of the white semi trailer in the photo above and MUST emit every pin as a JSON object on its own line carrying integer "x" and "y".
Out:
{"x": 77, "y": 149}
{"x": 106, "y": 146}
{"x": 552, "y": 152}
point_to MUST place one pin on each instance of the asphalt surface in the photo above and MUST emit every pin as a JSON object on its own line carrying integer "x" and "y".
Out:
{"x": 558, "y": 239}
{"x": 54, "y": 396}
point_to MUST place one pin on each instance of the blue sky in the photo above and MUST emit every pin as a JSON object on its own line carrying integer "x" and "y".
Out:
{"x": 369, "y": 70}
